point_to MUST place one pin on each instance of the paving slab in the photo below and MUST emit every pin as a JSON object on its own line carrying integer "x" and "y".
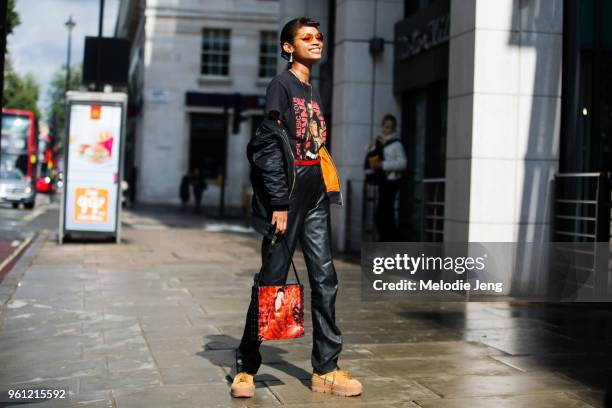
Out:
{"x": 498, "y": 385}
{"x": 432, "y": 349}
{"x": 427, "y": 366}
{"x": 192, "y": 396}
{"x": 154, "y": 322}
{"x": 545, "y": 400}
{"x": 379, "y": 390}
{"x": 576, "y": 361}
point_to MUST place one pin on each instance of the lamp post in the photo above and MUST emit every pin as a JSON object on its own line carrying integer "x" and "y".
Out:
{"x": 3, "y": 22}
{"x": 69, "y": 25}
{"x": 99, "y": 48}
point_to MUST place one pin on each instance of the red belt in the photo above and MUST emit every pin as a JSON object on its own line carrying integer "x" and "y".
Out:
{"x": 307, "y": 162}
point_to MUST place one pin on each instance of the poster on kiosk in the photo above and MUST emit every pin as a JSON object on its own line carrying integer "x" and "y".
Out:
{"x": 93, "y": 157}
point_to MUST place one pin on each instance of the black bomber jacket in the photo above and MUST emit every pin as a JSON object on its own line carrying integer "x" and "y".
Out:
{"x": 272, "y": 172}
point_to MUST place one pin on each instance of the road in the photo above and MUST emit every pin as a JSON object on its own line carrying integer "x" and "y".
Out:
{"x": 15, "y": 224}
{"x": 18, "y": 225}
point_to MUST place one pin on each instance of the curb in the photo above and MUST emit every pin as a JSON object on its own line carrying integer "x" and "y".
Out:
{"x": 24, "y": 258}
{"x": 15, "y": 254}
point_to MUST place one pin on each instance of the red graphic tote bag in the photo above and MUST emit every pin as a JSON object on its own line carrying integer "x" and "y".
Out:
{"x": 280, "y": 309}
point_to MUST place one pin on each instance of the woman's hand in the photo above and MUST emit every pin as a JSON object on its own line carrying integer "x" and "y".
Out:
{"x": 279, "y": 218}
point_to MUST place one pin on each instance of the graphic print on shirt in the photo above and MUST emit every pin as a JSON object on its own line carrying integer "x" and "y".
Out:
{"x": 310, "y": 129}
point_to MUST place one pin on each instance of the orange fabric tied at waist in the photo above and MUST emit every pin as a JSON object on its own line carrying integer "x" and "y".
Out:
{"x": 307, "y": 162}
{"x": 330, "y": 174}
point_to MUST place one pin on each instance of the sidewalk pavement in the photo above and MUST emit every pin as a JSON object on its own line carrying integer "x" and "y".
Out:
{"x": 153, "y": 322}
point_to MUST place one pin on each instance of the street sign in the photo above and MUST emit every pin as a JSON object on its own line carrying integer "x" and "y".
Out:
{"x": 93, "y": 156}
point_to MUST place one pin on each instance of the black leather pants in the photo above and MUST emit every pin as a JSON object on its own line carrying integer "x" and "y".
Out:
{"x": 309, "y": 223}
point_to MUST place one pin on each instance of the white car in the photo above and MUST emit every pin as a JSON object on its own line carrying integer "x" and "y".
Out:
{"x": 16, "y": 189}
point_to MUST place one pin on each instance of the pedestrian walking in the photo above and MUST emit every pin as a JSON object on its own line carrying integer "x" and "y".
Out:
{"x": 385, "y": 165}
{"x": 184, "y": 192}
{"x": 198, "y": 185}
{"x": 294, "y": 183}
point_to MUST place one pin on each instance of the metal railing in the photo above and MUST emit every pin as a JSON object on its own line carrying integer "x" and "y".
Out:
{"x": 581, "y": 214}
{"x": 432, "y": 229}
{"x": 366, "y": 222}
{"x": 428, "y": 204}
{"x": 369, "y": 203}
{"x": 581, "y": 207}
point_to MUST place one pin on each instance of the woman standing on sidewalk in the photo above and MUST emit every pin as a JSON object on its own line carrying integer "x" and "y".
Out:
{"x": 299, "y": 210}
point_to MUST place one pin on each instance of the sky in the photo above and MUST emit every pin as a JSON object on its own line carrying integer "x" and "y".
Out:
{"x": 39, "y": 44}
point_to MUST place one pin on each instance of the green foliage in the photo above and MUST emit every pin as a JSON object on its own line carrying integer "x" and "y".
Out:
{"x": 12, "y": 18}
{"x": 20, "y": 93}
{"x": 56, "y": 111}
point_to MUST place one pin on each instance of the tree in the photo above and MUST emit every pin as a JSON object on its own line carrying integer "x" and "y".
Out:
{"x": 56, "y": 111}
{"x": 12, "y": 18}
{"x": 12, "y": 21}
{"x": 20, "y": 93}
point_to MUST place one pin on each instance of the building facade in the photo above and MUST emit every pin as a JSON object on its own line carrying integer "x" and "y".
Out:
{"x": 198, "y": 76}
{"x": 498, "y": 105}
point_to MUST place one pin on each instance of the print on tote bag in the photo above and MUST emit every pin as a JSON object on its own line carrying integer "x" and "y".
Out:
{"x": 281, "y": 312}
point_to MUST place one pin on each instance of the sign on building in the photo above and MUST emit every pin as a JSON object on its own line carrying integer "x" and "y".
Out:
{"x": 93, "y": 157}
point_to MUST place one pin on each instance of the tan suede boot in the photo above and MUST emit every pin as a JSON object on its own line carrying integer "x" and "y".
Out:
{"x": 338, "y": 382}
{"x": 243, "y": 386}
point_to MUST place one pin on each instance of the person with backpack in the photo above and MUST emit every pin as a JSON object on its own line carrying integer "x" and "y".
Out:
{"x": 384, "y": 166}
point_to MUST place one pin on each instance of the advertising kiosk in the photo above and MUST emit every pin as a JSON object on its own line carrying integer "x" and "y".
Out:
{"x": 93, "y": 159}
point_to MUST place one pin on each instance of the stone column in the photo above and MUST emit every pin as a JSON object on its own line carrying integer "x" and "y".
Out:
{"x": 503, "y": 119}
{"x": 362, "y": 95}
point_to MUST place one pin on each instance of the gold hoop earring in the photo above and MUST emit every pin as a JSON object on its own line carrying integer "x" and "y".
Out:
{"x": 291, "y": 57}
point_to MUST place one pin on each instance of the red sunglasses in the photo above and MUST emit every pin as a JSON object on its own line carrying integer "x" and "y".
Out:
{"x": 310, "y": 37}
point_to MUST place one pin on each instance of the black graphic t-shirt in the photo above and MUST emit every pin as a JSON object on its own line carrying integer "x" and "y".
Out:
{"x": 303, "y": 117}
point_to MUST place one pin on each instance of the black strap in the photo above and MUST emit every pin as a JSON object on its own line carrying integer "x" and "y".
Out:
{"x": 272, "y": 243}
{"x": 297, "y": 278}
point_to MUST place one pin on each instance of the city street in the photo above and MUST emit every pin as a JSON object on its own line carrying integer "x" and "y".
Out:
{"x": 406, "y": 135}
{"x": 153, "y": 321}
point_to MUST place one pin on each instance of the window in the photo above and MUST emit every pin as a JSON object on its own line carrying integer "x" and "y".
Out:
{"x": 267, "y": 54}
{"x": 586, "y": 122}
{"x": 215, "y": 52}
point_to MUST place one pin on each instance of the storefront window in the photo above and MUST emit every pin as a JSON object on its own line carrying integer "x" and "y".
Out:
{"x": 208, "y": 144}
{"x": 607, "y": 27}
{"x": 421, "y": 77}
{"x": 586, "y": 21}
{"x": 586, "y": 139}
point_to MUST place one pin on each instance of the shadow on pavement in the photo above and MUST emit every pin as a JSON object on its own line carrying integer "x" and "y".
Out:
{"x": 220, "y": 350}
{"x": 158, "y": 216}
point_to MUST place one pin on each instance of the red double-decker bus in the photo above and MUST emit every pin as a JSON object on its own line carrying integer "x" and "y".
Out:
{"x": 19, "y": 142}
